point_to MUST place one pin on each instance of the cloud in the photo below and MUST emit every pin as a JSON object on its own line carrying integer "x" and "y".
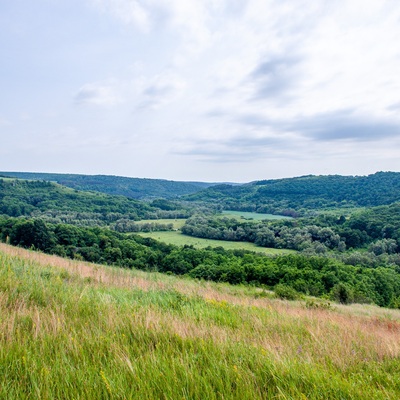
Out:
{"x": 343, "y": 125}
{"x": 215, "y": 152}
{"x": 5, "y": 122}
{"x": 257, "y": 120}
{"x": 394, "y": 107}
{"x": 97, "y": 94}
{"x": 300, "y": 137}
{"x": 129, "y": 11}
{"x": 244, "y": 146}
{"x": 161, "y": 90}
{"x": 274, "y": 77}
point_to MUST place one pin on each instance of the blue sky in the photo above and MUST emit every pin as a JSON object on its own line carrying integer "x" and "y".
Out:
{"x": 210, "y": 90}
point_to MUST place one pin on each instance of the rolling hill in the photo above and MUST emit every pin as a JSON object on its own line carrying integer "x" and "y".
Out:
{"x": 305, "y": 192}
{"x": 136, "y": 188}
{"x": 62, "y": 204}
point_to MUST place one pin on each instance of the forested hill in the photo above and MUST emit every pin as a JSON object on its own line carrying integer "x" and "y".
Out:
{"x": 57, "y": 203}
{"x": 135, "y": 188}
{"x": 306, "y": 192}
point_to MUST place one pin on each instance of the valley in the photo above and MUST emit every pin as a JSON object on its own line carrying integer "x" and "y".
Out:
{"x": 199, "y": 295}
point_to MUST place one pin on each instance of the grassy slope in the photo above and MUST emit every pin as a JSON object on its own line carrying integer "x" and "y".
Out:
{"x": 78, "y": 331}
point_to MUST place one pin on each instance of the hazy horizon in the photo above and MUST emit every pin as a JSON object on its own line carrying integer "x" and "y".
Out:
{"x": 187, "y": 180}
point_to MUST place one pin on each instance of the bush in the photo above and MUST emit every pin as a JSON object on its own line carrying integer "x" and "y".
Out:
{"x": 286, "y": 292}
{"x": 342, "y": 293}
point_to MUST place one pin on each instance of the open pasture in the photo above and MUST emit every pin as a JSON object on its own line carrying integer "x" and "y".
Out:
{"x": 249, "y": 216}
{"x": 179, "y": 239}
{"x": 177, "y": 223}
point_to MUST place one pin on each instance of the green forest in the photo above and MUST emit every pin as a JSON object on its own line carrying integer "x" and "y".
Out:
{"x": 57, "y": 203}
{"x": 302, "y": 195}
{"x": 135, "y": 188}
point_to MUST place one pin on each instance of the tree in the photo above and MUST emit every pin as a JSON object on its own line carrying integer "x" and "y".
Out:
{"x": 342, "y": 293}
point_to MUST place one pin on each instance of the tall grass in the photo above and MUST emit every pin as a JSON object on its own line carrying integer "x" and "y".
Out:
{"x": 71, "y": 330}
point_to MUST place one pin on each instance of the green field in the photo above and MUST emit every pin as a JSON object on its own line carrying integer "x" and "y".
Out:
{"x": 177, "y": 223}
{"x": 73, "y": 330}
{"x": 243, "y": 216}
{"x": 178, "y": 239}
{"x": 8, "y": 179}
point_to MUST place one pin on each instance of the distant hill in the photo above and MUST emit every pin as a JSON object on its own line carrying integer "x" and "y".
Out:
{"x": 289, "y": 196}
{"x": 135, "y": 188}
{"x": 58, "y": 203}
{"x": 306, "y": 192}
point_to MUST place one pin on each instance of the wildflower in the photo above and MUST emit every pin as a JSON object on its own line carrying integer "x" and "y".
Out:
{"x": 105, "y": 380}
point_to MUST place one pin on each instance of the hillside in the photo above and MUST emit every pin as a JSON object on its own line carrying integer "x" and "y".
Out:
{"x": 290, "y": 196}
{"x": 74, "y": 330}
{"x": 307, "y": 192}
{"x": 61, "y": 204}
{"x": 136, "y": 188}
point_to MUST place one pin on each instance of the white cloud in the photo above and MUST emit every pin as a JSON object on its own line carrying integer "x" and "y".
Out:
{"x": 129, "y": 11}
{"x": 160, "y": 90}
{"x": 99, "y": 94}
{"x": 5, "y": 122}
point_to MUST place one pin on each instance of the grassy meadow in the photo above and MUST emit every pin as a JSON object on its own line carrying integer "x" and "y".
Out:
{"x": 179, "y": 239}
{"x": 74, "y": 330}
{"x": 243, "y": 216}
{"x": 176, "y": 223}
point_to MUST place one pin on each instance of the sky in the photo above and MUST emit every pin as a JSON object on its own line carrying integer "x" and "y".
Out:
{"x": 200, "y": 90}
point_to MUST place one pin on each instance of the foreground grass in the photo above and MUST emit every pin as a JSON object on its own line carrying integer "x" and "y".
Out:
{"x": 179, "y": 239}
{"x": 72, "y": 330}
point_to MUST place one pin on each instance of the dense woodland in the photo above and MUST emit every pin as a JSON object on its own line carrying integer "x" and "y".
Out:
{"x": 135, "y": 188}
{"x": 299, "y": 196}
{"x": 346, "y": 254}
{"x": 58, "y": 204}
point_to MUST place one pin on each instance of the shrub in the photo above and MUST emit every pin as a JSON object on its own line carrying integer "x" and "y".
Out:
{"x": 286, "y": 292}
{"x": 342, "y": 293}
